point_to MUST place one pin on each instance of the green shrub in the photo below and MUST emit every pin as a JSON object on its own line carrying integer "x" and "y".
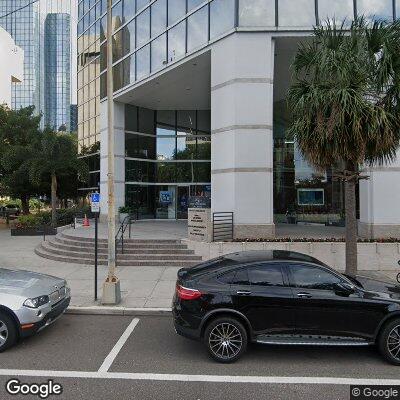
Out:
{"x": 125, "y": 210}
{"x": 33, "y": 220}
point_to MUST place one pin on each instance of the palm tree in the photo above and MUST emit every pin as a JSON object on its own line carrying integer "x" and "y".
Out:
{"x": 55, "y": 156}
{"x": 345, "y": 104}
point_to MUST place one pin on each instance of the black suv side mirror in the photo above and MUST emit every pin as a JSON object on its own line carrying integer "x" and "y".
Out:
{"x": 345, "y": 287}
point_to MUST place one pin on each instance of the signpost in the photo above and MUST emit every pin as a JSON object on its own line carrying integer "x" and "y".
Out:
{"x": 95, "y": 207}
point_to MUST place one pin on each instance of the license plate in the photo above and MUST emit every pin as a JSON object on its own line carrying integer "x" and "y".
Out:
{"x": 54, "y": 296}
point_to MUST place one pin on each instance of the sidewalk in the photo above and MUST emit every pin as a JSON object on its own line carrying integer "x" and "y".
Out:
{"x": 141, "y": 287}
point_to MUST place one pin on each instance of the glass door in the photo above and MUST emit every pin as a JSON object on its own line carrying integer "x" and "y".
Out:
{"x": 182, "y": 200}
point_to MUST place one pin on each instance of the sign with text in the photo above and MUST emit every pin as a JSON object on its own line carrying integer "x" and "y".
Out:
{"x": 199, "y": 224}
{"x": 95, "y": 202}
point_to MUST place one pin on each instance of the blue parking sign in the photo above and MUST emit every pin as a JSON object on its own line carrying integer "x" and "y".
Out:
{"x": 95, "y": 202}
{"x": 95, "y": 197}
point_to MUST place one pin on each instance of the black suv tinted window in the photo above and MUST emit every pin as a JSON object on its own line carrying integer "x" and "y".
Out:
{"x": 309, "y": 277}
{"x": 241, "y": 277}
{"x": 267, "y": 275}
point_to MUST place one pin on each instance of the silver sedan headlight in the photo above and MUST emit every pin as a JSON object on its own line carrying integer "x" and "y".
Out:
{"x": 36, "y": 301}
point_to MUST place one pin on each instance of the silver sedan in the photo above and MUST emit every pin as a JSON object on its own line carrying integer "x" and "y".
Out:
{"x": 28, "y": 303}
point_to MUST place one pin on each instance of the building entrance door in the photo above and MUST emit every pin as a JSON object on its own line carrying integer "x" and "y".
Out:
{"x": 182, "y": 200}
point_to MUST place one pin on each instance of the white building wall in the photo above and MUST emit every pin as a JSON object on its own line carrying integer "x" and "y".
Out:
{"x": 11, "y": 66}
{"x": 119, "y": 154}
{"x": 380, "y": 202}
{"x": 241, "y": 126}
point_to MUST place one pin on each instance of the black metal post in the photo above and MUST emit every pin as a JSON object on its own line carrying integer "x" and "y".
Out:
{"x": 130, "y": 226}
{"x": 95, "y": 253}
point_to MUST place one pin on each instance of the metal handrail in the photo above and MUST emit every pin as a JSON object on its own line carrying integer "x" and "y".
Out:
{"x": 119, "y": 237}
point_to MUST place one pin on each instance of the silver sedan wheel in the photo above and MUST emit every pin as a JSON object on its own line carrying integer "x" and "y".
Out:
{"x": 3, "y": 333}
{"x": 225, "y": 340}
{"x": 393, "y": 343}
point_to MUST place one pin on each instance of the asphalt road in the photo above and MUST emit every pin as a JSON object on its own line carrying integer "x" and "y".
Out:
{"x": 115, "y": 357}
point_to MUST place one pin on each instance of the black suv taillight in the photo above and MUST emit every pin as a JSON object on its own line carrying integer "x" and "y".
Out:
{"x": 184, "y": 293}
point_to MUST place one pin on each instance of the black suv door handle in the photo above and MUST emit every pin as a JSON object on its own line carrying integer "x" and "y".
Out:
{"x": 304, "y": 295}
{"x": 243, "y": 292}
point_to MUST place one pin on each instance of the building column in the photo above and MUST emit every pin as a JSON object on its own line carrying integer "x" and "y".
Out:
{"x": 242, "y": 68}
{"x": 119, "y": 153}
{"x": 380, "y": 202}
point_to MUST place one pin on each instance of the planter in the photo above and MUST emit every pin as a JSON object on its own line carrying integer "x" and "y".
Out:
{"x": 33, "y": 231}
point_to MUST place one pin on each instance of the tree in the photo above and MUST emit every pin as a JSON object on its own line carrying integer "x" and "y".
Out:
{"x": 56, "y": 158}
{"x": 18, "y": 128}
{"x": 345, "y": 102}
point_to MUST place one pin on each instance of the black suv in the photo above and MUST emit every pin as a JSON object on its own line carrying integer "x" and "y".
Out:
{"x": 283, "y": 297}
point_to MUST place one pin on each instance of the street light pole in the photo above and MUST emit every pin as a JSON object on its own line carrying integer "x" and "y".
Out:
{"x": 111, "y": 286}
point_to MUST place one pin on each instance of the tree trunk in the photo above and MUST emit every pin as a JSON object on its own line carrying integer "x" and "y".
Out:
{"x": 351, "y": 226}
{"x": 53, "y": 200}
{"x": 24, "y": 204}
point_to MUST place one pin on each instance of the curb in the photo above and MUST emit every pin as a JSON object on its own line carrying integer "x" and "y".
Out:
{"x": 107, "y": 310}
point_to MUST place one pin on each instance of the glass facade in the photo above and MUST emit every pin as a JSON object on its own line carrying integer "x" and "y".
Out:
{"x": 167, "y": 160}
{"x": 161, "y": 150}
{"x": 57, "y": 69}
{"x": 44, "y": 57}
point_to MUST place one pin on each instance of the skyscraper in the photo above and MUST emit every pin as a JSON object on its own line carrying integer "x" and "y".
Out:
{"x": 22, "y": 26}
{"x": 57, "y": 70}
{"x": 50, "y": 63}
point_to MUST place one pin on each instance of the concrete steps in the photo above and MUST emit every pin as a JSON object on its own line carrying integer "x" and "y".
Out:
{"x": 137, "y": 252}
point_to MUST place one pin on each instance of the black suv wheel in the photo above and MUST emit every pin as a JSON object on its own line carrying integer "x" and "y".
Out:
{"x": 389, "y": 342}
{"x": 8, "y": 332}
{"x": 226, "y": 339}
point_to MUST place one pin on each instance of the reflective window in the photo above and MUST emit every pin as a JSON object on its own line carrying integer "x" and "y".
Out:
{"x": 143, "y": 62}
{"x": 201, "y": 171}
{"x": 131, "y": 120}
{"x": 203, "y": 151}
{"x": 143, "y": 28}
{"x": 301, "y": 13}
{"x": 186, "y": 121}
{"x": 257, "y": 12}
{"x": 176, "y": 41}
{"x": 128, "y": 39}
{"x": 166, "y": 117}
{"x": 117, "y": 48}
{"x": 158, "y": 17}
{"x": 176, "y": 10}
{"x": 267, "y": 275}
{"x": 129, "y": 9}
{"x": 139, "y": 171}
{"x": 204, "y": 121}
{"x": 339, "y": 9}
{"x": 165, "y": 130}
{"x": 222, "y": 17}
{"x": 193, "y": 4}
{"x": 158, "y": 52}
{"x": 197, "y": 29}
{"x": 117, "y": 15}
{"x": 140, "y": 4}
{"x": 382, "y": 9}
{"x": 138, "y": 146}
{"x": 186, "y": 148}
{"x": 146, "y": 121}
{"x": 165, "y": 148}
{"x": 308, "y": 277}
{"x": 166, "y": 172}
{"x": 103, "y": 28}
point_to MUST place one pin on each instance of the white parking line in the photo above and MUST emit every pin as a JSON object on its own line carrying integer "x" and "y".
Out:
{"x": 118, "y": 346}
{"x": 200, "y": 378}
